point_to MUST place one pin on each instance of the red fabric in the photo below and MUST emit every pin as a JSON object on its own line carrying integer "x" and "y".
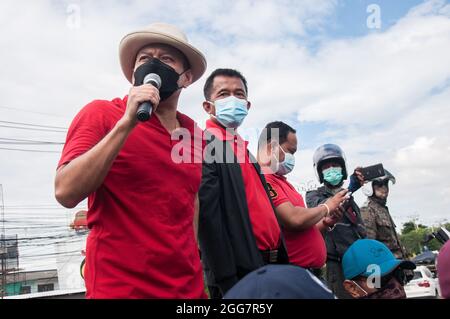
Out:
{"x": 141, "y": 243}
{"x": 305, "y": 248}
{"x": 264, "y": 223}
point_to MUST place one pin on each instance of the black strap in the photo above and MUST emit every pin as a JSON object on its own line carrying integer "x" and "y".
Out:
{"x": 334, "y": 258}
{"x": 270, "y": 256}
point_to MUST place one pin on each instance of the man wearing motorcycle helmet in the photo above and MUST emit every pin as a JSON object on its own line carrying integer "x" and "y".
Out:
{"x": 331, "y": 170}
{"x": 376, "y": 216}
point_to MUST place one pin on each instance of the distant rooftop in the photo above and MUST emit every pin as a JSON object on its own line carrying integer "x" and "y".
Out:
{"x": 22, "y": 276}
{"x": 54, "y": 294}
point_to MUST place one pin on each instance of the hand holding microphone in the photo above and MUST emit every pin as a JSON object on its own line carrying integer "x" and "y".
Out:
{"x": 138, "y": 94}
{"x": 145, "y": 109}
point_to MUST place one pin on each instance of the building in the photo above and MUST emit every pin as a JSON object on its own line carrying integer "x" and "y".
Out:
{"x": 18, "y": 283}
{"x": 55, "y": 294}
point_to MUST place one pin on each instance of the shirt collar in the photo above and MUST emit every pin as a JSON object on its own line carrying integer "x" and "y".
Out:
{"x": 284, "y": 178}
{"x": 222, "y": 133}
{"x": 185, "y": 121}
{"x": 267, "y": 171}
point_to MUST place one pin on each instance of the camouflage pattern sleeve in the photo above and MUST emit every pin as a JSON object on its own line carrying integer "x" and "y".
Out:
{"x": 370, "y": 222}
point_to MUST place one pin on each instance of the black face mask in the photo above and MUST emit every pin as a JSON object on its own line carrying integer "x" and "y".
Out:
{"x": 169, "y": 77}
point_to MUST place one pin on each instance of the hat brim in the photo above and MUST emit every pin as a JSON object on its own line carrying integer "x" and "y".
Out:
{"x": 133, "y": 42}
{"x": 389, "y": 266}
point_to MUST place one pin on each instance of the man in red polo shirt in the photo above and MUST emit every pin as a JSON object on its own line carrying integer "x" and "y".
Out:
{"x": 302, "y": 226}
{"x": 238, "y": 229}
{"x": 141, "y": 203}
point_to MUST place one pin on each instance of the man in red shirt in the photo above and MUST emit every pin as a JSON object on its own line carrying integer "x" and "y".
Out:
{"x": 141, "y": 203}
{"x": 238, "y": 229}
{"x": 301, "y": 226}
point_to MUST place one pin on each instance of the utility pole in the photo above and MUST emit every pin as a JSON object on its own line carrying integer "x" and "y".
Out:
{"x": 2, "y": 210}
{"x": 3, "y": 258}
{"x": 3, "y": 243}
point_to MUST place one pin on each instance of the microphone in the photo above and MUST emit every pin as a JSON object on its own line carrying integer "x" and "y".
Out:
{"x": 145, "y": 109}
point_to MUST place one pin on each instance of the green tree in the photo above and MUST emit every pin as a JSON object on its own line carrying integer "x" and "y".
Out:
{"x": 413, "y": 237}
{"x": 413, "y": 241}
{"x": 408, "y": 227}
{"x": 411, "y": 226}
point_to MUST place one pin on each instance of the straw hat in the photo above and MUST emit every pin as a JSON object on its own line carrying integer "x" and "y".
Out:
{"x": 159, "y": 33}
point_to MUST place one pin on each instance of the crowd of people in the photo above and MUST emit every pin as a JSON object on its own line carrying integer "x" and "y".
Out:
{"x": 229, "y": 225}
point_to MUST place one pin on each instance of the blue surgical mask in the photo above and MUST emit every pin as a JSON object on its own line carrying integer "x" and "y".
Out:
{"x": 231, "y": 111}
{"x": 287, "y": 165}
{"x": 333, "y": 175}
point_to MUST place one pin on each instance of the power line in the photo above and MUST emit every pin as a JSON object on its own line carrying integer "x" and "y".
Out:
{"x": 26, "y": 150}
{"x": 32, "y": 129}
{"x": 15, "y": 141}
{"x": 42, "y": 216}
{"x": 28, "y": 143}
{"x": 33, "y": 205}
{"x": 46, "y": 246}
{"x": 67, "y": 240}
{"x": 67, "y": 253}
{"x": 34, "y": 112}
{"x": 31, "y": 208}
{"x": 60, "y": 236}
{"x": 34, "y": 125}
{"x": 27, "y": 249}
{"x": 52, "y": 205}
{"x": 29, "y": 239}
{"x": 31, "y": 222}
{"x": 35, "y": 227}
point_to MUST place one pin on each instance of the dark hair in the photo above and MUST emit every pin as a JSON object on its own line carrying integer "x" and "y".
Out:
{"x": 222, "y": 72}
{"x": 283, "y": 131}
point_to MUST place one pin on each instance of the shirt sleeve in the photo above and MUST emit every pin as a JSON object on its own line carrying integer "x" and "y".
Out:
{"x": 277, "y": 194}
{"x": 90, "y": 125}
{"x": 369, "y": 219}
{"x": 314, "y": 199}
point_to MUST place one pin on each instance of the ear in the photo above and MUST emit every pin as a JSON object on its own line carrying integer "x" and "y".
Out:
{"x": 269, "y": 148}
{"x": 136, "y": 65}
{"x": 188, "y": 78}
{"x": 262, "y": 155}
{"x": 249, "y": 105}
{"x": 352, "y": 289}
{"x": 265, "y": 154}
{"x": 209, "y": 108}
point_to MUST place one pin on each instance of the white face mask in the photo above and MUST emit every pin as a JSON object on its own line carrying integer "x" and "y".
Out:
{"x": 287, "y": 165}
{"x": 230, "y": 111}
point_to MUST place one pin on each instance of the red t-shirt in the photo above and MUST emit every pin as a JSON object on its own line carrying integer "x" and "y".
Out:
{"x": 141, "y": 243}
{"x": 262, "y": 217}
{"x": 305, "y": 248}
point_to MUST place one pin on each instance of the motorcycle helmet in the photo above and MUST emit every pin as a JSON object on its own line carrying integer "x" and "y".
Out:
{"x": 326, "y": 153}
{"x": 368, "y": 187}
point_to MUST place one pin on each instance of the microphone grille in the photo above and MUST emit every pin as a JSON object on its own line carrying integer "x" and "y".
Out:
{"x": 154, "y": 79}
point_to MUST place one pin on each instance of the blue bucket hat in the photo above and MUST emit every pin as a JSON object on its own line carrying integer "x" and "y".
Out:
{"x": 279, "y": 282}
{"x": 365, "y": 252}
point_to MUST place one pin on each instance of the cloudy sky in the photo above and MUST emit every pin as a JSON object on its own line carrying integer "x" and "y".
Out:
{"x": 380, "y": 88}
